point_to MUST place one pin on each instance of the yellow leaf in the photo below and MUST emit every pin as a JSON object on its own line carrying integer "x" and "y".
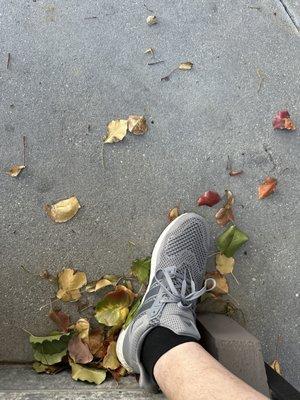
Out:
{"x": 276, "y": 366}
{"x": 137, "y": 124}
{"x": 64, "y": 210}
{"x": 186, "y": 66}
{"x": 91, "y": 375}
{"x": 69, "y": 283}
{"x": 111, "y": 361}
{"x": 116, "y": 130}
{"x": 100, "y": 284}
{"x": 82, "y": 327}
{"x": 221, "y": 283}
{"x": 173, "y": 214}
{"x": 15, "y": 170}
{"x": 151, "y": 20}
{"x": 224, "y": 264}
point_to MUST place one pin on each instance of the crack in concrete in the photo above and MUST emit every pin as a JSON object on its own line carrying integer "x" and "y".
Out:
{"x": 290, "y": 15}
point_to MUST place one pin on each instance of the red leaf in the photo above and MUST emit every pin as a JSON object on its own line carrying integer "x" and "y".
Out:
{"x": 282, "y": 120}
{"x": 79, "y": 351}
{"x": 61, "y": 319}
{"x": 267, "y": 187}
{"x": 209, "y": 199}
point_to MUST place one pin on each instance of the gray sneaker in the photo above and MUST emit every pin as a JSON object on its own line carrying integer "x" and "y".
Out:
{"x": 177, "y": 271}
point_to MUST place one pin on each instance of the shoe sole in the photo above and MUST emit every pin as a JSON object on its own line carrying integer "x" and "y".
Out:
{"x": 154, "y": 258}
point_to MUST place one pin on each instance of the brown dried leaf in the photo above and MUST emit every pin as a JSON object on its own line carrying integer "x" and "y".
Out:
{"x": 82, "y": 327}
{"x": 224, "y": 264}
{"x": 267, "y": 187}
{"x": 221, "y": 287}
{"x": 110, "y": 360}
{"x": 173, "y": 214}
{"x": 151, "y": 20}
{"x": 100, "y": 284}
{"x": 61, "y": 319}
{"x": 15, "y": 170}
{"x": 276, "y": 366}
{"x": 137, "y": 124}
{"x": 97, "y": 343}
{"x": 185, "y": 66}
{"x": 79, "y": 351}
{"x": 64, "y": 210}
{"x": 69, "y": 283}
{"x": 225, "y": 214}
{"x": 118, "y": 373}
{"x": 115, "y": 131}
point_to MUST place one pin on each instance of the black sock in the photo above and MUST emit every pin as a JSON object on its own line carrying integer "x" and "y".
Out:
{"x": 158, "y": 341}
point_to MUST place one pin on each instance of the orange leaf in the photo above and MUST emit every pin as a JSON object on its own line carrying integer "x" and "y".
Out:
{"x": 267, "y": 187}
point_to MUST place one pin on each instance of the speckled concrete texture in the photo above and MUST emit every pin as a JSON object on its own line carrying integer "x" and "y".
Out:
{"x": 77, "y": 64}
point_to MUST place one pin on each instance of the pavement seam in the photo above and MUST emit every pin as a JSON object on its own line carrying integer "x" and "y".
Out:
{"x": 290, "y": 15}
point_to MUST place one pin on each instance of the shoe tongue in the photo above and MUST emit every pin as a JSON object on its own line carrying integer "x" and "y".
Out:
{"x": 181, "y": 322}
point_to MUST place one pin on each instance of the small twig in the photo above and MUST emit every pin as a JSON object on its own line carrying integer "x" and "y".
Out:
{"x": 131, "y": 243}
{"x": 156, "y": 62}
{"x": 270, "y": 157}
{"x": 228, "y": 294}
{"x": 25, "y": 330}
{"x": 235, "y": 278}
{"x": 255, "y": 8}
{"x": 229, "y": 164}
{"x": 51, "y": 302}
{"x": 261, "y": 76}
{"x": 213, "y": 254}
{"x": 24, "y": 149}
{"x": 85, "y": 308}
{"x": 166, "y": 78}
{"x": 102, "y": 157}
{"x": 8, "y": 60}
{"x": 148, "y": 9}
{"x": 90, "y": 17}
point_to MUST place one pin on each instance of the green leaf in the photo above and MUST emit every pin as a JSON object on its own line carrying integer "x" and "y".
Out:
{"x": 91, "y": 375}
{"x": 50, "y": 338}
{"x": 114, "y": 308}
{"x": 52, "y": 347}
{"x": 231, "y": 240}
{"x": 133, "y": 311}
{"x": 141, "y": 269}
{"x": 49, "y": 359}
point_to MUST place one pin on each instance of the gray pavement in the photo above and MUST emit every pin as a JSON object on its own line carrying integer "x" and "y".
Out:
{"x": 69, "y": 71}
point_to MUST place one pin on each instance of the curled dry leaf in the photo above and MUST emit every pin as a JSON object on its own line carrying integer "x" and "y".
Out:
{"x": 209, "y": 199}
{"x": 276, "y": 366}
{"x": 173, "y": 214}
{"x": 282, "y": 120}
{"x": 113, "y": 309}
{"x": 15, "y": 170}
{"x": 79, "y": 351}
{"x": 98, "y": 285}
{"x": 231, "y": 240}
{"x": 151, "y": 20}
{"x": 267, "y": 187}
{"x": 137, "y": 124}
{"x": 110, "y": 360}
{"x": 118, "y": 373}
{"x": 61, "y": 319}
{"x": 69, "y": 283}
{"x": 82, "y": 327}
{"x": 97, "y": 344}
{"x": 224, "y": 264}
{"x": 221, "y": 287}
{"x": 115, "y": 131}
{"x": 225, "y": 214}
{"x": 64, "y": 210}
{"x": 185, "y": 66}
{"x": 92, "y": 375}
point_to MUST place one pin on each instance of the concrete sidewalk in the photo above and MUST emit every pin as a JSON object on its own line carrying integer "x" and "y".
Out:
{"x": 79, "y": 64}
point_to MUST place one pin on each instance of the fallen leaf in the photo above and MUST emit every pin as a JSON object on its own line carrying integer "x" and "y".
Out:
{"x": 48, "y": 369}
{"x": 235, "y": 173}
{"x": 56, "y": 336}
{"x": 221, "y": 283}
{"x": 49, "y": 349}
{"x": 225, "y": 214}
{"x": 186, "y": 66}
{"x": 282, "y": 120}
{"x": 151, "y": 20}
{"x": 118, "y": 373}
{"x": 276, "y": 366}
{"x": 231, "y": 240}
{"x": 113, "y": 309}
{"x": 132, "y": 313}
{"x": 140, "y": 269}
{"x": 69, "y": 283}
{"x": 15, "y": 170}
{"x": 217, "y": 306}
{"x": 267, "y": 187}
{"x": 137, "y": 124}
{"x": 98, "y": 285}
{"x": 49, "y": 359}
{"x": 79, "y": 351}
{"x": 116, "y": 130}
{"x": 91, "y": 375}
{"x": 110, "y": 360}
{"x": 173, "y": 214}
{"x": 97, "y": 344}
{"x": 209, "y": 199}
{"x": 224, "y": 264}
{"x": 61, "y": 319}
{"x": 64, "y": 210}
{"x": 82, "y": 327}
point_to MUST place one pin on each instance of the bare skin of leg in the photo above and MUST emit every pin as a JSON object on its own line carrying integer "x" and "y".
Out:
{"x": 189, "y": 372}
